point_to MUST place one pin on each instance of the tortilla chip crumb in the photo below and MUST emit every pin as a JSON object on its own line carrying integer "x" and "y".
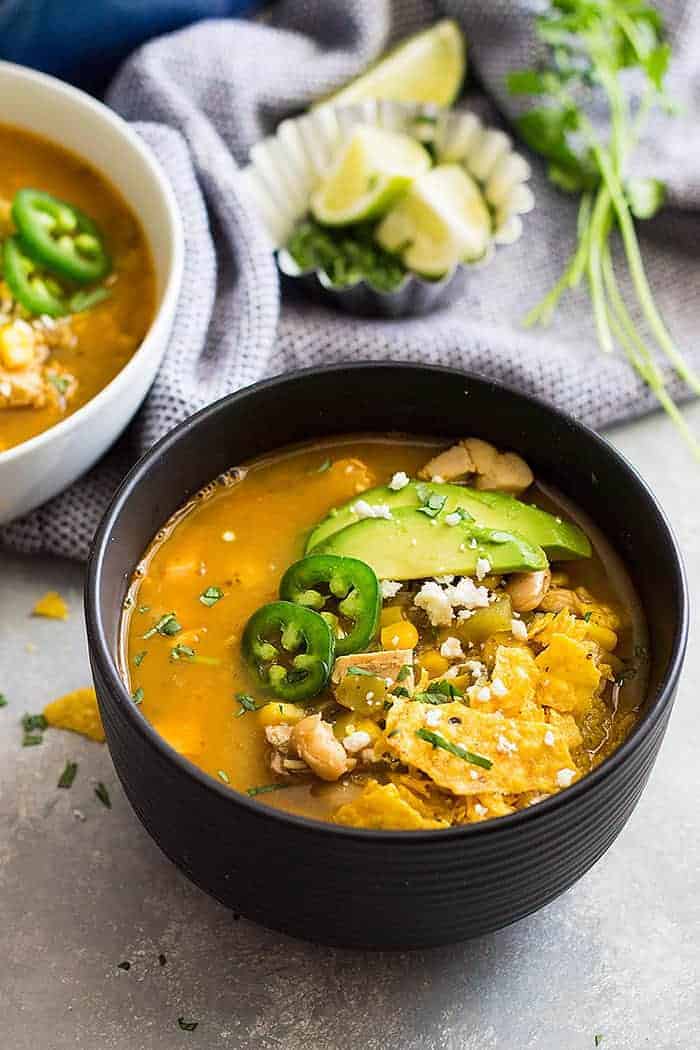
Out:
{"x": 52, "y": 606}
{"x": 78, "y": 712}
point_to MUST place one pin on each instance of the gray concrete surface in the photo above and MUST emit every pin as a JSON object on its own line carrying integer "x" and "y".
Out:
{"x": 618, "y": 956}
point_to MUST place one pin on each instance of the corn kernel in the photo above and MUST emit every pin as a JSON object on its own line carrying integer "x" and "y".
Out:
{"x": 276, "y": 714}
{"x": 434, "y": 663}
{"x": 391, "y": 614}
{"x": 16, "y": 345}
{"x": 401, "y": 635}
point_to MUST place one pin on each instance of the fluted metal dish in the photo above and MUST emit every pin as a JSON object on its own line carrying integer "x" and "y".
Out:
{"x": 285, "y": 168}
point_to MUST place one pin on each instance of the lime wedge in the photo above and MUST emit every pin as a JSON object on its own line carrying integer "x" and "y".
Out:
{"x": 428, "y": 67}
{"x": 373, "y": 168}
{"x": 441, "y": 221}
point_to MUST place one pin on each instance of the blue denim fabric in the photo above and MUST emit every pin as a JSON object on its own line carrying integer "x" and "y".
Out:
{"x": 85, "y": 40}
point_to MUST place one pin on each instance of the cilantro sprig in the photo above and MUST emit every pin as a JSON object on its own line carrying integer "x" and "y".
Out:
{"x": 591, "y": 45}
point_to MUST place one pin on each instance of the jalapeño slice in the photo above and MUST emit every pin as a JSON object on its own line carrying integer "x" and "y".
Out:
{"x": 351, "y": 589}
{"x": 37, "y": 291}
{"x": 290, "y": 648}
{"x": 60, "y": 236}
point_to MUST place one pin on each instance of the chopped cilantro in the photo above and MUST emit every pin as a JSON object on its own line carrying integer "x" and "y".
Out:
{"x": 68, "y": 775}
{"x": 404, "y": 672}
{"x": 248, "y": 703}
{"x": 211, "y": 596}
{"x": 181, "y": 652}
{"x": 59, "y": 383}
{"x": 103, "y": 795}
{"x": 3, "y": 700}
{"x": 598, "y": 1039}
{"x": 399, "y": 690}
{"x": 31, "y": 739}
{"x": 345, "y": 255}
{"x": 138, "y": 659}
{"x": 454, "y": 749}
{"x": 167, "y": 625}
{"x": 587, "y": 616}
{"x": 263, "y": 789}
{"x": 444, "y": 688}
{"x": 187, "y": 1026}
{"x": 433, "y": 504}
{"x": 137, "y": 695}
{"x": 326, "y": 465}
{"x": 33, "y": 727}
{"x": 360, "y": 671}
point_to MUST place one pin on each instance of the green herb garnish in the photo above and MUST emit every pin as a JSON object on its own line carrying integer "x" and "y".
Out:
{"x": 326, "y": 465}
{"x": 33, "y": 727}
{"x": 182, "y": 652}
{"x": 263, "y": 789}
{"x": 103, "y": 795}
{"x": 211, "y": 596}
{"x": 433, "y": 504}
{"x": 346, "y": 256}
{"x": 68, "y": 775}
{"x": 187, "y": 1026}
{"x": 405, "y": 671}
{"x": 399, "y": 690}
{"x": 587, "y": 617}
{"x": 83, "y": 300}
{"x": 596, "y": 44}
{"x": 167, "y": 626}
{"x": 598, "y": 1039}
{"x": 138, "y": 659}
{"x": 59, "y": 383}
{"x": 144, "y": 608}
{"x": 454, "y": 749}
{"x": 3, "y": 700}
{"x": 444, "y": 688}
{"x": 353, "y": 670}
{"x": 248, "y": 703}
{"x": 137, "y": 695}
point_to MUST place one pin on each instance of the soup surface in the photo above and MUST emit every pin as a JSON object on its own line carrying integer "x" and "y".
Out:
{"x": 66, "y": 360}
{"x": 475, "y": 693}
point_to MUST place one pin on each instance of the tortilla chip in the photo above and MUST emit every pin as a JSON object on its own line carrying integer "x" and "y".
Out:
{"x": 570, "y": 676}
{"x": 52, "y": 606}
{"x": 385, "y": 807}
{"x": 78, "y": 712}
{"x": 531, "y": 765}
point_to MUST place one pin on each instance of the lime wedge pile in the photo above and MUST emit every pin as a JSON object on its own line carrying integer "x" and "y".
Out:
{"x": 439, "y": 222}
{"x": 373, "y": 168}
{"x": 428, "y": 67}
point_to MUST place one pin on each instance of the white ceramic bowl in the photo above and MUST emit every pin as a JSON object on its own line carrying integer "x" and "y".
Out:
{"x": 36, "y": 470}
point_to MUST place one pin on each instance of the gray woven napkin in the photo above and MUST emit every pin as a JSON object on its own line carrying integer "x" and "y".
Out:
{"x": 210, "y": 91}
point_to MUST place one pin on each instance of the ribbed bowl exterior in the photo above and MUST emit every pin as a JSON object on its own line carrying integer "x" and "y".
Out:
{"x": 343, "y": 886}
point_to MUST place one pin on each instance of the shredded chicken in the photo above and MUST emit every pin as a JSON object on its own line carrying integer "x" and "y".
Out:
{"x": 490, "y": 469}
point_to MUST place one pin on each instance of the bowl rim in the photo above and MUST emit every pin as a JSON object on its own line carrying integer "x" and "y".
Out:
{"x": 176, "y": 244}
{"x": 107, "y": 665}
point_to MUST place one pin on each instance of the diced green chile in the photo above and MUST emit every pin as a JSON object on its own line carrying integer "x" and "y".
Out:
{"x": 37, "y": 291}
{"x": 291, "y": 650}
{"x": 60, "y": 236}
{"x": 351, "y": 583}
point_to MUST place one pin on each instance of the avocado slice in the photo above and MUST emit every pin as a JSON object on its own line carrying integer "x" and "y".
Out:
{"x": 561, "y": 540}
{"x": 411, "y": 546}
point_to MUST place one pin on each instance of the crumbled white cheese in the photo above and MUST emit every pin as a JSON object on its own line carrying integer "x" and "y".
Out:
{"x": 390, "y": 588}
{"x": 363, "y": 509}
{"x": 465, "y": 594}
{"x": 475, "y": 667}
{"x": 453, "y": 519}
{"x": 399, "y": 481}
{"x": 565, "y": 776}
{"x": 518, "y": 629}
{"x": 228, "y": 536}
{"x": 451, "y": 649}
{"x": 480, "y": 810}
{"x": 473, "y": 774}
{"x": 472, "y": 543}
{"x": 369, "y": 696}
{"x": 433, "y": 600}
{"x": 483, "y": 568}
{"x": 484, "y": 694}
{"x": 465, "y": 614}
{"x": 356, "y": 741}
{"x": 498, "y": 688}
{"x": 433, "y": 717}
{"x": 438, "y": 479}
{"x": 505, "y": 745}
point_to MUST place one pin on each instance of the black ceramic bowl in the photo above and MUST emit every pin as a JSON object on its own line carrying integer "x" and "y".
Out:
{"x": 361, "y": 888}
